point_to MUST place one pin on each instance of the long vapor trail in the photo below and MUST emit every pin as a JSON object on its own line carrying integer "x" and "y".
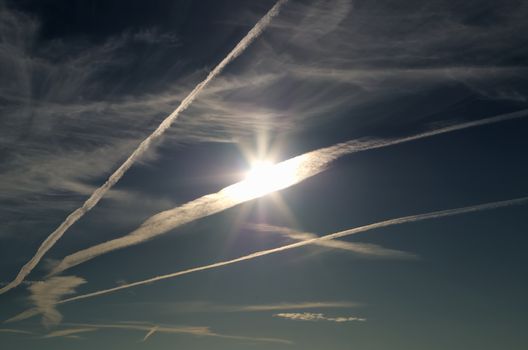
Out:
{"x": 365, "y": 249}
{"x": 96, "y": 196}
{"x": 290, "y": 172}
{"x": 391, "y": 222}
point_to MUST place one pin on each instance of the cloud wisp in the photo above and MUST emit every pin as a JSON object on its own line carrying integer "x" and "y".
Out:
{"x": 298, "y": 169}
{"x": 45, "y": 295}
{"x": 296, "y": 306}
{"x": 150, "y": 330}
{"x": 96, "y": 196}
{"x": 171, "y": 329}
{"x": 69, "y": 333}
{"x": 356, "y": 230}
{"x": 207, "y": 307}
{"x": 309, "y": 316}
{"x": 365, "y": 249}
{"x": 14, "y": 331}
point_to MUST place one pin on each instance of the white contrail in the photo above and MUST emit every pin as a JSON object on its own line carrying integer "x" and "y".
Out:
{"x": 69, "y": 332}
{"x": 367, "y": 249}
{"x": 291, "y": 172}
{"x": 391, "y": 222}
{"x": 14, "y": 331}
{"x": 96, "y": 196}
{"x": 152, "y": 331}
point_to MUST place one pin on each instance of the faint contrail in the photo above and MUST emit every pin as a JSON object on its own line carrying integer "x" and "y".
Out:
{"x": 290, "y": 172}
{"x": 152, "y": 331}
{"x": 142, "y": 148}
{"x": 14, "y": 331}
{"x": 366, "y": 249}
{"x": 69, "y": 332}
{"x": 391, "y": 222}
{"x": 191, "y": 330}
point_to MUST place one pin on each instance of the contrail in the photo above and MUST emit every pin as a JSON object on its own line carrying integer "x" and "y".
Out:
{"x": 190, "y": 330}
{"x": 391, "y": 222}
{"x": 290, "y": 172}
{"x": 69, "y": 332}
{"x": 96, "y": 196}
{"x": 14, "y": 331}
{"x": 366, "y": 249}
{"x": 152, "y": 331}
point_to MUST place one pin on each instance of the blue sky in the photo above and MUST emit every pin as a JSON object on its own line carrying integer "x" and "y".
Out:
{"x": 85, "y": 82}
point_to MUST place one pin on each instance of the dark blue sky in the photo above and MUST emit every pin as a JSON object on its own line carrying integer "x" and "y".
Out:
{"x": 83, "y": 82}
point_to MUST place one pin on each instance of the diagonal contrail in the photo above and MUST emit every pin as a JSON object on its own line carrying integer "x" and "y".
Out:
{"x": 152, "y": 331}
{"x": 96, "y": 196}
{"x": 391, "y": 222}
{"x": 302, "y": 167}
{"x": 366, "y": 249}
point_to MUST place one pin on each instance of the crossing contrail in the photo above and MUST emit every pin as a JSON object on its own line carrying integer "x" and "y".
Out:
{"x": 290, "y": 172}
{"x": 391, "y": 222}
{"x": 96, "y": 196}
{"x": 365, "y": 249}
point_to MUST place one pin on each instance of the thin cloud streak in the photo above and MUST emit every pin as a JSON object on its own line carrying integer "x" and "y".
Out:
{"x": 386, "y": 223}
{"x": 196, "y": 331}
{"x": 96, "y": 196}
{"x": 295, "y": 306}
{"x": 14, "y": 331}
{"x": 207, "y": 307}
{"x": 24, "y": 315}
{"x": 367, "y": 249}
{"x": 309, "y": 316}
{"x": 152, "y": 331}
{"x": 69, "y": 332}
{"x": 305, "y": 166}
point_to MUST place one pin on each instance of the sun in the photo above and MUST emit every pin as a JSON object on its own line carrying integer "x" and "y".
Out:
{"x": 263, "y": 178}
{"x": 261, "y": 172}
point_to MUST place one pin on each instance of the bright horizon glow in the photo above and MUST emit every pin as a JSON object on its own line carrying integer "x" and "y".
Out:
{"x": 264, "y": 177}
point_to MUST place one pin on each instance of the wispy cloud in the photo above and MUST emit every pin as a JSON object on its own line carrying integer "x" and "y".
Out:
{"x": 171, "y": 329}
{"x": 304, "y": 167}
{"x": 296, "y": 306}
{"x": 366, "y": 249}
{"x": 26, "y": 283}
{"x": 24, "y": 315}
{"x": 308, "y": 316}
{"x": 149, "y": 328}
{"x": 69, "y": 332}
{"x": 96, "y": 196}
{"x": 45, "y": 295}
{"x": 386, "y": 223}
{"x": 14, "y": 331}
{"x": 207, "y": 307}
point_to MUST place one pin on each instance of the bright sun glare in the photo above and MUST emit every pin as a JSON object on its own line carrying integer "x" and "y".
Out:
{"x": 265, "y": 177}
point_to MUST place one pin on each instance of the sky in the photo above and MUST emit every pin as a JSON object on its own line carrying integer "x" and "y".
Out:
{"x": 394, "y": 218}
